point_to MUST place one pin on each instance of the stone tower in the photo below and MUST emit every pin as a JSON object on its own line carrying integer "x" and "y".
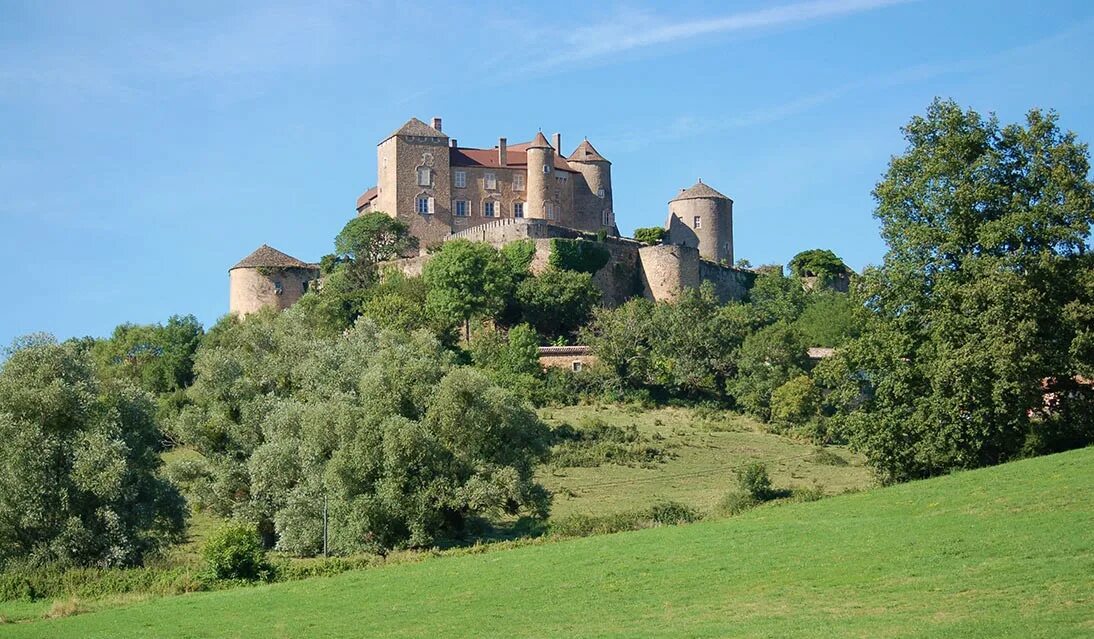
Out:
{"x": 541, "y": 167}
{"x": 702, "y": 218}
{"x": 268, "y": 278}
{"x": 594, "y": 204}
{"x": 414, "y": 180}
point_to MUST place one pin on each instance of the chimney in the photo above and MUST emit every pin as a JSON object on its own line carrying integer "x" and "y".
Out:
{"x": 437, "y": 123}
{"x": 452, "y": 142}
{"x": 556, "y": 141}
{"x": 503, "y": 155}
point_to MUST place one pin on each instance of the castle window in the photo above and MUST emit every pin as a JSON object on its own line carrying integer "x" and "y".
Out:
{"x": 518, "y": 182}
{"x": 546, "y": 168}
{"x": 550, "y": 210}
{"x": 461, "y": 208}
{"x": 576, "y": 366}
{"x": 607, "y": 218}
{"x": 560, "y": 178}
{"x": 460, "y": 179}
{"x": 600, "y": 193}
{"x": 697, "y": 222}
{"x": 423, "y": 205}
{"x": 518, "y": 209}
{"x": 489, "y": 208}
{"x": 490, "y": 181}
{"x": 425, "y": 176}
{"x": 277, "y": 287}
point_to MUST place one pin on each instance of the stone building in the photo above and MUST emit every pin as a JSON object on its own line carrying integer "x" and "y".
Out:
{"x": 529, "y": 190}
{"x": 438, "y": 187}
{"x": 268, "y": 278}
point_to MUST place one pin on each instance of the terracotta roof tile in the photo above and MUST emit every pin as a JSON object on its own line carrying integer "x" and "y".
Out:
{"x": 367, "y": 196}
{"x": 269, "y": 257}
{"x": 539, "y": 142}
{"x": 414, "y": 126}
{"x": 515, "y": 156}
{"x": 586, "y": 153}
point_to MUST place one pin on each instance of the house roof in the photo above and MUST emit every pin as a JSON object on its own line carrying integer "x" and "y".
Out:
{"x": 269, "y": 257}
{"x": 515, "y": 156}
{"x": 565, "y": 350}
{"x": 586, "y": 153}
{"x": 367, "y": 196}
{"x": 416, "y": 127}
{"x": 699, "y": 191}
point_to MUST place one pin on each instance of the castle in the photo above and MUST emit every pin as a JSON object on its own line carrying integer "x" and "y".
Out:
{"x": 528, "y": 190}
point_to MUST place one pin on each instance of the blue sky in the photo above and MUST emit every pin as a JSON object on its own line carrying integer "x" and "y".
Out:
{"x": 147, "y": 147}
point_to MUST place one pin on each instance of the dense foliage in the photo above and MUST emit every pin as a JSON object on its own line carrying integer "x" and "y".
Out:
{"x": 650, "y": 235}
{"x": 78, "y": 463}
{"x": 582, "y": 256}
{"x": 401, "y": 445}
{"x": 819, "y": 263}
{"x": 982, "y": 303}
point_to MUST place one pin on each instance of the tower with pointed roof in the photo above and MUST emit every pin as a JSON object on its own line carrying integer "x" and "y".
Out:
{"x": 414, "y": 180}
{"x": 702, "y": 218}
{"x": 542, "y": 199}
{"x": 268, "y": 278}
{"x": 593, "y": 198}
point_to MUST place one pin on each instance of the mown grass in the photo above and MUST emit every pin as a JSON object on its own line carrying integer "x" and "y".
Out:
{"x": 1001, "y": 552}
{"x": 703, "y": 450}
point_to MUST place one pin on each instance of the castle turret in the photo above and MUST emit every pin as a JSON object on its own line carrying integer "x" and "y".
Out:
{"x": 541, "y": 166}
{"x": 594, "y": 206}
{"x": 268, "y": 278}
{"x": 702, "y": 218}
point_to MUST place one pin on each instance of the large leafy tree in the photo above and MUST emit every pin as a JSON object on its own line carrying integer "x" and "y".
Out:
{"x": 369, "y": 239}
{"x": 557, "y": 302}
{"x": 157, "y": 357}
{"x": 982, "y": 303}
{"x": 466, "y": 280}
{"x": 78, "y": 463}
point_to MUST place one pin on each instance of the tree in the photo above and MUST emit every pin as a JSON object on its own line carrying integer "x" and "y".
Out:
{"x": 769, "y": 358}
{"x": 820, "y": 263}
{"x": 158, "y": 358}
{"x": 78, "y": 463}
{"x": 776, "y": 297}
{"x": 557, "y": 302}
{"x": 968, "y": 317}
{"x": 369, "y": 239}
{"x": 467, "y": 279}
{"x": 829, "y": 318}
{"x": 651, "y": 236}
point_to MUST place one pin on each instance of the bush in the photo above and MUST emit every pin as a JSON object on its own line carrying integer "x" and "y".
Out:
{"x": 795, "y": 402}
{"x": 600, "y": 443}
{"x": 754, "y": 481}
{"x": 582, "y": 256}
{"x": 827, "y": 458}
{"x": 736, "y": 503}
{"x": 235, "y": 552}
{"x": 667, "y": 513}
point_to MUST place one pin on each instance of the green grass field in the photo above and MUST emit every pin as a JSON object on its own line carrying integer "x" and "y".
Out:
{"x": 705, "y": 451}
{"x": 1001, "y": 552}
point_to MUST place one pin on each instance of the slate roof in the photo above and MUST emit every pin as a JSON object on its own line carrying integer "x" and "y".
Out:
{"x": 699, "y": 191}
{"x": 269, "y": 257}
{"x": 540, "y": 142}
{"x": 586, "y": 153}
{"x": 416, "y": 127}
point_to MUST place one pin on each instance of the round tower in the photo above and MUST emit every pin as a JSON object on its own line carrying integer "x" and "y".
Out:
{"x": 268, "y": 278}
{"x": 702, "y": 218}
{"x": 595, "y": 207}
{"x": 541, "y": 167}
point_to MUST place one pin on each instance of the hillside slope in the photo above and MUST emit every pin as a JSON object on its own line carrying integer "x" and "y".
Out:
{"x": 1001, "y": 552}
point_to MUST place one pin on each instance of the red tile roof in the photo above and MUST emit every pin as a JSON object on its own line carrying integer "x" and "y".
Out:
{"x": 515, "y": 156}
{"x": 367, "y": 196}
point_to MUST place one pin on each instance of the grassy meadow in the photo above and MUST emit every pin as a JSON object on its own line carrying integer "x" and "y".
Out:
{"x": 1001, "y": 552}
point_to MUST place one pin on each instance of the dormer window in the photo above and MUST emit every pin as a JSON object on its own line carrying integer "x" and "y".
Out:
{"x": 425, "y": 176}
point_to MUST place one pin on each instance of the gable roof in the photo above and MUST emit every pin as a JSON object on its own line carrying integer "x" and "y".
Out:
{"x": 516, "y": 156}
{"x": 699, "y": 191}
{"x": 269, "y": 257}
{"x": 416, "y": 127}
{"x": 367, "y": 196}
{"x": 586, "y": 153}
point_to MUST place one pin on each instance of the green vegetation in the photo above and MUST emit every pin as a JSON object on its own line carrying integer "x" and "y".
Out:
{"x": 819, "y": 263}
{"x": 650, "y": 235}
{"x": 883, "y": 563}
{"x": 581, "y": 256}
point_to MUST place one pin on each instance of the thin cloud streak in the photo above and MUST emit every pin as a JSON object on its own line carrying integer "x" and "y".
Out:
{"x": 637, "y": 31}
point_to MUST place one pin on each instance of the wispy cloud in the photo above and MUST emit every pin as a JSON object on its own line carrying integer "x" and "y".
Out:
{"x": 638, "y": 30}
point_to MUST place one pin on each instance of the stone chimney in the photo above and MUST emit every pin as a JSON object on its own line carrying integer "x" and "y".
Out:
{"x": 556, "y": 141}
{"x": 452, "y": 142}
{"x": 437, "y": 124}
{"x": 503, "y": 155}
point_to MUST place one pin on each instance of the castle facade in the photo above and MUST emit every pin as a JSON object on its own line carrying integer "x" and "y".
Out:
{"x": 527, "y": 190}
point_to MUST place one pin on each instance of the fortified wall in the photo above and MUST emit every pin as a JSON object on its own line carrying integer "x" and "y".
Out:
{"x": 655, "y": 272}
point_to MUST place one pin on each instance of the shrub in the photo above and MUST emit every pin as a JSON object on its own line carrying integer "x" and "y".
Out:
{"x": 795, "y": 402}
{"x": 754, "y": 481}
{"x": 235, "y": 552}
{"x": 666, "y": 513}
{"x": 577, "y": 255}
{"x": 735, "y": 503}
{"x": 650, "y": 235}
{"x": 599, "y": 443}
{"x": 827, "y": 458}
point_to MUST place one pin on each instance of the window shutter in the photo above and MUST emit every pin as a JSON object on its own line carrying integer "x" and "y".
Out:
{"x": 431, "y": 205}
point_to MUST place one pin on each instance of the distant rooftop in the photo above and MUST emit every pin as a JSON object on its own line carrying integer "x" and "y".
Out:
{"x": 699, "y": 191}
{"x": 268, "y": 257}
